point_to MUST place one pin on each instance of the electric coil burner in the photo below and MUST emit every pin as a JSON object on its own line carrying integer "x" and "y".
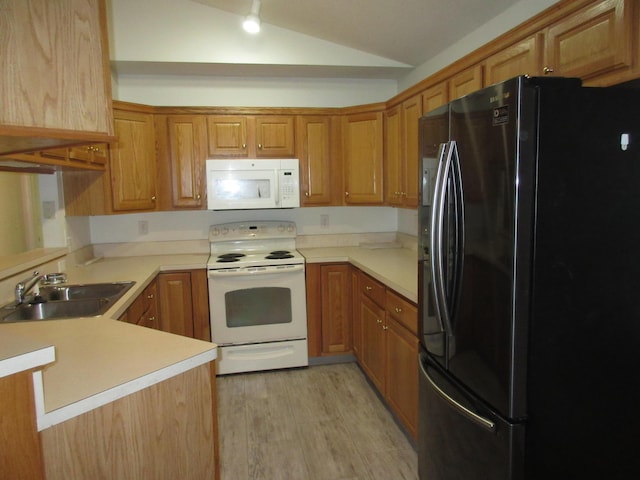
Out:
{"x": 257, "y": 296}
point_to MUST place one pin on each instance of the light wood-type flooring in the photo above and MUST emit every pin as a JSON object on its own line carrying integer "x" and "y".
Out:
{"x": 317, "y": 423}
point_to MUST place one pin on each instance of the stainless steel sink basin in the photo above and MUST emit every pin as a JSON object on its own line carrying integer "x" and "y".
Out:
{"x": 65, "y": 309}
{"x": 66, "y": 301}
{"x": 89, "y": 290}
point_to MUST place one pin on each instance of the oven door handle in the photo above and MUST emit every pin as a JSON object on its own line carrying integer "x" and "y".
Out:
{"x": 253, "y": 271}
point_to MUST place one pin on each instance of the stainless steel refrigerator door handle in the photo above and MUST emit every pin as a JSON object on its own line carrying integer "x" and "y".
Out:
{"x": 437, "y": 220}
{"x": 474, "y": 417}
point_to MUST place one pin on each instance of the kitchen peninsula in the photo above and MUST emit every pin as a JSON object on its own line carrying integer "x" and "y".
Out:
{"x": 119, "y": 400}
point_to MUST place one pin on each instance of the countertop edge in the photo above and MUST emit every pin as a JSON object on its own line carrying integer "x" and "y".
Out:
{"x": 35, "y": 358}
{"x": 49, "y": 419}
{"x": 358, "y": 257}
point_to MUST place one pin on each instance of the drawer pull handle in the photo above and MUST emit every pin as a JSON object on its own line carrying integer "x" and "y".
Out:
{"x": 368, "y": 288}
{"x": 150, "y": 296}
{"x": 398, "y": 310}
{"x": 378, "y": 321}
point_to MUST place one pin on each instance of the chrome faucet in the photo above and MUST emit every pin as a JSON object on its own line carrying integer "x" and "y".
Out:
{"x": 23, "y": 287}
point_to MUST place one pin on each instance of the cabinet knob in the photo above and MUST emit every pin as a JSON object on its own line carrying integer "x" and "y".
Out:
{"x": 198, "y": 197}
{"x": 547, "y": 70}
{"x": 368, "y": 288}
{"x": 259, "y": 146}
{"x": 244, "y": 146}
{"x": 153, "y": 199}
{"x": 306, "y": 194}
{"x": 378, "y": 321}
{"x": 346, "y": 194}
{"x": 398, "y": 310}
{"x": 385, "y": 327}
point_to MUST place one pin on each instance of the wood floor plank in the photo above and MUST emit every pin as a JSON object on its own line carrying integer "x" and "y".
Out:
{"x": 317, "y": 423}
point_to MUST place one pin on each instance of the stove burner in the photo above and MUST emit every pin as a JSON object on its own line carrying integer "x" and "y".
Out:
{"x": 229, "y": 257}
{"x": 279, "y": 254}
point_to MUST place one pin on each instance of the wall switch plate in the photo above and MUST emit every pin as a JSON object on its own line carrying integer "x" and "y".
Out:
{"x": 49, "y": 209}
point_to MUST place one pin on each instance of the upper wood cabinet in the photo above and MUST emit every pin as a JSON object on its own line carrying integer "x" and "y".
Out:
{"x": 465, "y": 82}
{"x": 55, "y": 85}
{"x": 393, "y": 183}
{"x": 133, "y": 162}
{"x": 435, "y": 96}
{"x": 268, "y": 136}
{"x": 187, "y": 145}
{"x": 522, "y": 58}
{"x": 594, "y": 41}
{"x": 401, "y": 153}
{"x": 411, "y": 113}
{"x": 314, "y": 145}
{"x": 362, "y": 150}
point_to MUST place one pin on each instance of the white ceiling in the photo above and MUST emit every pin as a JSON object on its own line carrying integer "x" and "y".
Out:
{"x": 406, "y": 31}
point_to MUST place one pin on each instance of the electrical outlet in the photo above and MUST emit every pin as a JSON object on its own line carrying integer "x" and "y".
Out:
{"x": 143, "y": 227}
{"x": 324, "y": 220}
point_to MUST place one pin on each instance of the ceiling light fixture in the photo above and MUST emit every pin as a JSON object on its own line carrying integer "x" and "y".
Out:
{"x": 252, "y": 21}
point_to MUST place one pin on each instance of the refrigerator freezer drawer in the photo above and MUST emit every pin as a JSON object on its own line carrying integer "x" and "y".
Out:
{"x": 460, "y": 439}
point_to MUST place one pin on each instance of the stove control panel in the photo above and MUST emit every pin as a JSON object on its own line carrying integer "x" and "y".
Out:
{"x": 251, "y": 230}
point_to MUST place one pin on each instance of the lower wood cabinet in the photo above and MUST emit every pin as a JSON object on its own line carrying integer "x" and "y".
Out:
{"x": 174, "y": 302}
{"x": 166, "y": 431}
{"x": 21, "y": 452}
{"x": 388, "y": 347}
{"x": 329, "y": 308}
{"x": 183, "y": 299}
{"x": 144, "y": 309}
{"x": 349, "y": 311}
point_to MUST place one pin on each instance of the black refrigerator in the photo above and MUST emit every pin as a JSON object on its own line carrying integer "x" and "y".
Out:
{"x": 529, "y": 284}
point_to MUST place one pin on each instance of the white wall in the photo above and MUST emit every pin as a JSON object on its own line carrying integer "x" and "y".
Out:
{"x": 172, "y": 90}
{"x": 194, "y": 225}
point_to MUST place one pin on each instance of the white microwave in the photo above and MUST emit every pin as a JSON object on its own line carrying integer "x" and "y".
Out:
{"x": 252, "y": 184}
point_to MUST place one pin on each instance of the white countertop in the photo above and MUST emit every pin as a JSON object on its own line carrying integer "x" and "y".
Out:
{"x": 100, "y": 359}
{"x": 397, "y": 268}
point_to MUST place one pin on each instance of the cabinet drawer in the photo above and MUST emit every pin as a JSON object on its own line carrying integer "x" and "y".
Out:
{"x": 403, "y": 311}
{"x": 372, "y": 289}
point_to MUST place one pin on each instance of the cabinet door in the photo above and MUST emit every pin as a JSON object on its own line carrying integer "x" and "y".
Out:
{"x": 336, "y": 308}
{"x": 188, "y": 153}
{"x": 132, "y": 162}
{"x": 55, "y": 75}
{"x": 227, "y": 136}
{"x": 275, "y": 136}
{"x": 411, "y": 112}
{"x": 522, "y": 58}
{"x": 362, "y": 135}
{"x": 435, "y": 97}
{"x": 465, "y": 82}
{"x": 176, "y": 309}
{"x": 393, "y": 172}
{"x": 373, "y": 352}
{"x": 200, "y": 302}
{"x": 402, "y": 374}
{"x": 355, "y": 318}
{"x": 594, "y": 40}
{"x": 21, "y": 455}
{"x": 314, "y": 152}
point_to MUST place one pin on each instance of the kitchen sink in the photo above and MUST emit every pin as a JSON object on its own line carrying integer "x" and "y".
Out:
{"x": 66, "y": 301}
{"x": 89, "y": 290}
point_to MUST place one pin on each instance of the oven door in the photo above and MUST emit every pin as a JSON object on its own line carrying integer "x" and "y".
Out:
{"x": 257, "y": 304}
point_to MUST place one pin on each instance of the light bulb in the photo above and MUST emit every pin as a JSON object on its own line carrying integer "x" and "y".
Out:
{"x": 251, "y": 23}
